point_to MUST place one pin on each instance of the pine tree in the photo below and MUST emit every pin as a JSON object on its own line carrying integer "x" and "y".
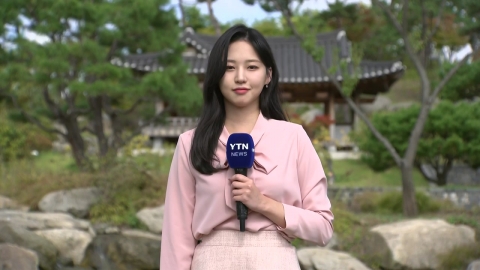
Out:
{"x": 72, "y": 74}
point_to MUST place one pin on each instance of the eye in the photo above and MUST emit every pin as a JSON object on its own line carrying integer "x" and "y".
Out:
{"x": 253, "y": 67}
{"x": 230, "y": 67}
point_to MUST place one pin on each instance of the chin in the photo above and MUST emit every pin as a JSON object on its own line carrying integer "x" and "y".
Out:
{"x": 242, "y": 104}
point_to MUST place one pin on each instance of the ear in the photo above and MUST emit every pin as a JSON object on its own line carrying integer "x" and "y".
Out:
{"x": 269, "y": 76}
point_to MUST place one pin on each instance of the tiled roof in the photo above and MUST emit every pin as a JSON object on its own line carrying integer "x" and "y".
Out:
{"x": 294, "y": 63}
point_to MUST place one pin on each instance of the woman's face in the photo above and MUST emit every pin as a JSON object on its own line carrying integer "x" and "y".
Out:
{"x": 245, "y": 76}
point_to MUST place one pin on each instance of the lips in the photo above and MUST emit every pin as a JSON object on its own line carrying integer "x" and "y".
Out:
{"x": 240, "y": 90}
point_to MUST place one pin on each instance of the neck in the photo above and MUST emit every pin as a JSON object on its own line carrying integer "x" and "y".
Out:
{"x": 241, "y": 120}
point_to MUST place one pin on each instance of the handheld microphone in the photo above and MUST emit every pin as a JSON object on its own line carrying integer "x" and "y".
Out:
{"x": 240, "y": 156}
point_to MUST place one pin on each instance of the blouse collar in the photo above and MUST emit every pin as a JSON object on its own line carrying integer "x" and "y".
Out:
{"x": 257, "y": 132}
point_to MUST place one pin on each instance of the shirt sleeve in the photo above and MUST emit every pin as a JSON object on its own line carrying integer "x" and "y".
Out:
{"x": 313, "y": 220}
{"x": 178, "y": 242}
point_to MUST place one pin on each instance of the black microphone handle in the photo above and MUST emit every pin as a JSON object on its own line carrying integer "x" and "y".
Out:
{"x": 242, "y": 210}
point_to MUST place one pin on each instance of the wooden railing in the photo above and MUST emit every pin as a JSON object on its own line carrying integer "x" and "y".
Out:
{"x": 173, "y": 128}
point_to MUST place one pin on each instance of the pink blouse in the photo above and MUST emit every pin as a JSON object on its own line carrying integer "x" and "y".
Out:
{"x": 286, "y": 169}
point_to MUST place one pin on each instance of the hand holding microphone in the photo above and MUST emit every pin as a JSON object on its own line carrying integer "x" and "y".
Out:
{"x": 240, "y": 156}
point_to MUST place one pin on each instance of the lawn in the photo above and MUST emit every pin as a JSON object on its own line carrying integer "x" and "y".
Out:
{"x": 355, "y": 173}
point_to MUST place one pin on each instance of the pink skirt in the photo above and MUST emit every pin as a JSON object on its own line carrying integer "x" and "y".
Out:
{"x": 235, "y": 250}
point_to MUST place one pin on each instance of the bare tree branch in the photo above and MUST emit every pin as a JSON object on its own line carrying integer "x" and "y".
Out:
{"x": 409, "y": 48}
{"x": 33, "y": 119}
{"x": 182, "y": 13}
{"x": 398, "y": 160}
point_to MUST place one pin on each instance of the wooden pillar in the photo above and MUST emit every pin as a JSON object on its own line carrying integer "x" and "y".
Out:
{"x": 355, "y": 118}
{"x": 330, "y": 111}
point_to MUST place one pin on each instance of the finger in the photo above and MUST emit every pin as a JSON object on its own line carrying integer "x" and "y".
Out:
{"x": 239, "y": 177}
{"x": 239, "y": 185}
{"x": 241, "y": 192}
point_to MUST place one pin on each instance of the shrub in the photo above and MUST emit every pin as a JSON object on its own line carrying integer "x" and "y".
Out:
{"x": 24, "y": 182}
{"x": 12, "y": 142}
{"x": 391, "y": 203}
{"x": 460, "y": 257}
{"x": 129, "y": 186}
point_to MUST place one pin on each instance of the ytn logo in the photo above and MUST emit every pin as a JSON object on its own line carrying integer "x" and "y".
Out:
{"x": 239, "y": 146}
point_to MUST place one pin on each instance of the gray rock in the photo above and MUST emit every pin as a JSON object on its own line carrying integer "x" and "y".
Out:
{"x": 104, "y": 228}
{"x": 9, "y": 204}
{"x": 118, "y": 252}
{"x": 13, "y": 257}
{"x": 76, "y": 201}
{"x": 475, "y": 265}
{"x": 70, "y": 243}
{"x": 317, "y": 258}
{"x": 46, "y": 251}
{"x": 416, "y": 244}
{"x": 42, "y": 221}
{"x": 152, "y": 217}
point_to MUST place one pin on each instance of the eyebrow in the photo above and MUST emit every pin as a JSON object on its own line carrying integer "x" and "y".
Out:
{"x": 249, "y": 60}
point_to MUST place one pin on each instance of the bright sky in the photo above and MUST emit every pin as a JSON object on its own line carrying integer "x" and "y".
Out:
{"x": 228, "y": 10}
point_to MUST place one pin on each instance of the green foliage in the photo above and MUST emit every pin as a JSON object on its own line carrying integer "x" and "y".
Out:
{"x": 62, "y": 77}
{"x": 28, "y": 180}
{"x": 269, "y": 27}
{"x": 396, "y": 127}
{"x": 132, "y": 184}
{"x": 465, "y": 84}
{"x": 344, "y": 221}
{"x": 459, "y": 258}
{"x": 355, "y": 173}
{"x": 195, "y": 19}
{"x": 450, "y": 135}
{"x": 391, "y": 203}
{"x": 12, "y": 142}
{"x": 465, "y": 220}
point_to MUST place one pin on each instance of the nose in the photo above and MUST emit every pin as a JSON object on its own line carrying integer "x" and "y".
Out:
{"x": 240, "y": 76}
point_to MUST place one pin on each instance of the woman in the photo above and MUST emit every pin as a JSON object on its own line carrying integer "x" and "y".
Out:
{"x": 285, "y": 191}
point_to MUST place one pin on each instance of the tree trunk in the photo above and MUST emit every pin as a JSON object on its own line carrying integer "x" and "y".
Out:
{"x": 182, "y": 13}
{"x": 410, "y": 208}
{"x": 96, "y": 106}
{"x": 116, "y": 130}
{"x": 116, "y": 125}
{"x": 74, "y": 138}
{"x": 442, "y": 171}
{"x": 213, "y": 20}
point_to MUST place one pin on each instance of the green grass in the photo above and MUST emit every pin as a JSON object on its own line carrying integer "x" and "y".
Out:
{"x": 355, "y": 173}
{"x": 54, "y": 162}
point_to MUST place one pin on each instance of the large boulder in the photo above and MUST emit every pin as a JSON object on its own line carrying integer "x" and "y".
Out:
{"x": 43, "y": 221}
{"x": 76, "y": 201}
{"x": 317, "y": 258}
{"x": 70, "y": 243}
{"x": 475, "y": 265}
{"x": 416, "y": 244}
{"x": 12, "y": 234}
{"x": 13, "y": 257}
{"x": 123, "y": 252}
{"x": 152, "y": 217}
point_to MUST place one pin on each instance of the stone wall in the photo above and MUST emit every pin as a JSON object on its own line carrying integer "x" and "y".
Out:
{"x": 465, "y": 198}
{"x": 463, "y": 175}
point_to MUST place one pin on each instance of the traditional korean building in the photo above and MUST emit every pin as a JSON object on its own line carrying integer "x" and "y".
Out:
{"x": 301, "y": 78}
